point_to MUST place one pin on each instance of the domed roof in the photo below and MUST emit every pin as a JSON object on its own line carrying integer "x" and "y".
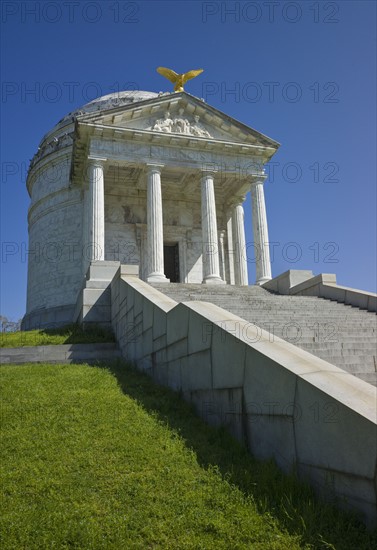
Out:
{"x": 109, "y": 101}
{"x": 116, "y": 99}
{"x": 56, "y": 136}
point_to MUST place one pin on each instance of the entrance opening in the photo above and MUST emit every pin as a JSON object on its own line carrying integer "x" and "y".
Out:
{"x": 171, "y": 262}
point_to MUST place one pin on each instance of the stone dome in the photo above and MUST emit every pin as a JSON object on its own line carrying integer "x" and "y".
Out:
{"x": 104, "y": 103}
{"x": 56, "y": 136}
{"x": 110, "y": 101}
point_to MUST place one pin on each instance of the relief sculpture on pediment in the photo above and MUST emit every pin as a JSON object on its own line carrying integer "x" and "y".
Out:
{"x": 180, "y": 125}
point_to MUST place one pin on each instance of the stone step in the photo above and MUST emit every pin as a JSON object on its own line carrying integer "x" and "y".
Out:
{"x": 353, "y": 368}
{"x": 345, "y": 358}
{"x": 352, "y": 340}
{"x": 65, "y": 353}
{"x": 273, "y": 316}
{"x": 370, "y": 377}
{"x": 340, "y": 334}
{"x": 274, "y": 320}
{"x": 270, "y": 306}
{"x": 244, "y": 292}
{"x": 367, "y": 349}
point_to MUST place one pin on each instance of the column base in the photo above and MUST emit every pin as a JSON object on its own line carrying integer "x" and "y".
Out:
{"x": 157, "y": 278}
{"x": 213, "y": 280}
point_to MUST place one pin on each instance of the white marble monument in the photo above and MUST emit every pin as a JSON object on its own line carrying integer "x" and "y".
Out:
{"x": 155, "y": 180}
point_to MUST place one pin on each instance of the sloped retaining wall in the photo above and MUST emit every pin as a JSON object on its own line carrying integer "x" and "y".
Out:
{"x": 303, "y": 283}
{"x": 281, "y": 401}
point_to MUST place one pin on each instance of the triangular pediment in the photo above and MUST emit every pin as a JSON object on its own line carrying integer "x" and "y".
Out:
{"x": 179, "y": 114}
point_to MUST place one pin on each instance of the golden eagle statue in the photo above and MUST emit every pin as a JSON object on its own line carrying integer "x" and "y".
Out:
{"x": 178, "y": 79}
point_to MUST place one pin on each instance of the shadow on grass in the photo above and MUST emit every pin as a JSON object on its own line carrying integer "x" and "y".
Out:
{"x": 76, "y": 334}
{"x": 284, "y": 497}
{"x": 68, "y": 334}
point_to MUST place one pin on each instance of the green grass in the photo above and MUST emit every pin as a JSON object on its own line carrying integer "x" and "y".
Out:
{"x": 102, "y": 458}
{"x": 69, "y": 334}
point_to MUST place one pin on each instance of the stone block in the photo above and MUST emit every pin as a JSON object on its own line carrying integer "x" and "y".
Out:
{"x": 160, "y": 357}
{"x": 160, "y": 374}
{"x": 228, "y": 359}
{"x": 221, "y": 408}
{"x": 207, "y": 408}
{"x": 334, "y": 434}
{"x": 271, "y": 436}
{"x": 96, "y": 297}
{"x": 145, "y": 363}
{"x": 197, "y": 371}
{"x": 147, "y": 341}
{"x": 96, "y": 314}
{"x": 138, "y": 318}
{"x": 148, "y": 307}
{"x": 102, "y": 270}
{"x": 130, "y": 297}
{"x": 174, "y": 374}
{"x": 177, "y": 350}
{"x": 129, "y": 319}
{"x": 138, "y": 341}
{"x": 138, "y": 303}
{"x": 267, "y": 381}
{"x": 230, "y": 402}
{"x": 282, "y": 283}
{"x": 347, "y": 491}
{"x": 357, "y": 299}
{"x": 123, "y": 293}
{"x": 199, "y": 333}
{"x": 127, "y": 270}
{"x": 159, "y": 322}
{"x": 159, "y": 343}
{"x": 177, "y": 324}
{"x": 312, "y": 286}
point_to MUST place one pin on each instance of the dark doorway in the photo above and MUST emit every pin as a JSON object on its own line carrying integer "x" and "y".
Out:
{"x": 171, "y": 262}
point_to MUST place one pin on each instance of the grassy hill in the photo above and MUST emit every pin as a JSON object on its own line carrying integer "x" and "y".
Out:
{"x": 68, "y": 334}
{"x": 100, "y": 457}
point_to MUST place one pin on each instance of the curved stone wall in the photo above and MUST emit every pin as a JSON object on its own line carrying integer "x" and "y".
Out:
{"x": 55, "y": 240}
{"x": 55, "y": 220}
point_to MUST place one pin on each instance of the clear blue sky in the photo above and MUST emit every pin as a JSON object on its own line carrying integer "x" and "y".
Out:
{"x": 302, "y": 73}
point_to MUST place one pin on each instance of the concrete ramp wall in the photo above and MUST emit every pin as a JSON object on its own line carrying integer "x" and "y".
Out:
{"x": 282, "y": 402}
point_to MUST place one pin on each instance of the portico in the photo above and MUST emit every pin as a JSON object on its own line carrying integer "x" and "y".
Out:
{"x": 152, "y": 237}
{"x": 173, "y": 174}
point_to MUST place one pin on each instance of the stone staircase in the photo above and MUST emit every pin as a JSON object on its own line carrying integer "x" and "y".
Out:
{"x": 64, "y": 353}
{"x": 340, "y": 334}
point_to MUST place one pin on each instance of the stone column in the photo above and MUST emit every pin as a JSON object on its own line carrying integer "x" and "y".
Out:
{"x": 211, "y": 268}
{"x": 260, "y": 230}
{"x": 155, "y": 239}
{"x": 239, "y": 243}
{"x": 221, "y": 237}
{"x": 96, "y": 210}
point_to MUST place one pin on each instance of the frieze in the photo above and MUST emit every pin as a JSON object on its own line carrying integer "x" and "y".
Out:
{"x": 136, "y": 152}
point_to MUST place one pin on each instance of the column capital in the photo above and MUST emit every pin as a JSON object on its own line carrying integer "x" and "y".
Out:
{"x": 154, "y": 167}
{"x": 236, "y": 201}
{"x": 258, "y": 179}
{"x": 208, "y": 172}
{"x": 96, "y": 161}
